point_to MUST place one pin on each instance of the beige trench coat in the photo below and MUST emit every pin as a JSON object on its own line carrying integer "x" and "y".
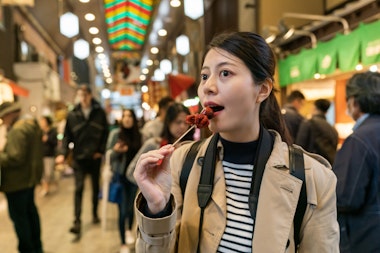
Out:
{"x": 276, "y": 207}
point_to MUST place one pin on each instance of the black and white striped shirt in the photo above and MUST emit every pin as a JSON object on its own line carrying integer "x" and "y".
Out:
{"x": 238, "y": 170}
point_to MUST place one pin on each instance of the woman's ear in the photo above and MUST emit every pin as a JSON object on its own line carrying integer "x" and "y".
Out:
{"x": 264, "y": 90}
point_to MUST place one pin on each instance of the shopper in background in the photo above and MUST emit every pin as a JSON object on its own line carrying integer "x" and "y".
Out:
{"x": 154, "y": 127}
{"x": 49, "y": 140}
{"x": 87, "y": 129}
{"x": 237, "y": 83}
{"x": 293, "y": 118}
{"x": 174, "y": 126}
{"x": 357, "y": 167}
{"x": 21, "y": 168}
{"x": 124, "y": 142}
{"x": 316, "y": 135}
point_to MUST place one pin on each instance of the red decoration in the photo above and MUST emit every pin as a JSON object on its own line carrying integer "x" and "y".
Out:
{"x": 17, "y": 90}
{"x": 179, "y": 83}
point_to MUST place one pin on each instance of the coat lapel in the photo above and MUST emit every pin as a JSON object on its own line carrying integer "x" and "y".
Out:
{"x": 276, "y": 208}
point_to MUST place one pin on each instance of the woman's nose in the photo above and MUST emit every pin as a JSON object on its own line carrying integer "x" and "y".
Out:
{"x": 209, "y": 87}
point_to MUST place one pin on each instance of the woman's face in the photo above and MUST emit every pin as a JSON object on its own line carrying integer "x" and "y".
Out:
{"x": 179, "y": 125}
{"x": 227, "y": 86}
{"x": 43, "y": 124}
{"x": 127, "y": 119}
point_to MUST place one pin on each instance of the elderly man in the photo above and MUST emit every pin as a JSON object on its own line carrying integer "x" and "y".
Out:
{"x": 21, "y": 165}
{"x": 357, "y": 167}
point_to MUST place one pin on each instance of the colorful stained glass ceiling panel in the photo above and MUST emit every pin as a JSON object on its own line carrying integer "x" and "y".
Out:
{"x": 127, "y": 23}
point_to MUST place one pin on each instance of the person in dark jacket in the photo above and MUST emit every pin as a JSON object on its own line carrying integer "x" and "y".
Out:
{"x": 21, "y": 165}
{"x": 86, "y": 128}
{"x": 357, "y": 167}
{"x": 290, "y": 111}
{"x": 49, "y": 140}
{"x": 316, "y": 135}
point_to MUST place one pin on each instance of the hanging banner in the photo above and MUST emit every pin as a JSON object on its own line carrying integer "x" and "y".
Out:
{"x": 298, "y": 67}
{"x": 344, "y": 52}
{"x": 370, "y": 42}
{"x": 308, "y": 63}
{"x": 348, "y": 50}
{"x": 326, "y": 58}
{"x": 290, "y": 70}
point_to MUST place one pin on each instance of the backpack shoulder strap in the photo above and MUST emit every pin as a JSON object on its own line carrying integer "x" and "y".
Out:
{"x": 206, "y": 181}
{"x": 297, "y": 169}
{"x": 188, "y": 164}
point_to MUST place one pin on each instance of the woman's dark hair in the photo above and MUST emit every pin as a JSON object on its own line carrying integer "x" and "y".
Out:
{"x": 48, "y": 119}
{"x": 171, "y": 115}
{"x": 365, "y": 88}
{"x": 256, "y": 54}
{"x": 85, "y": 88}
{"x": 131, "y": 136}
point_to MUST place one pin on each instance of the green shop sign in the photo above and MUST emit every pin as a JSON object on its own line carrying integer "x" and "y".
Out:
{"x": 343, "y": 52}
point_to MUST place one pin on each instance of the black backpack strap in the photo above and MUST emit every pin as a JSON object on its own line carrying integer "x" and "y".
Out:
{"x": 263, "y": 152}
{"x": 206, "y": 182}
{"x": 297, "y": 169}
{"x": 188, "y": 164}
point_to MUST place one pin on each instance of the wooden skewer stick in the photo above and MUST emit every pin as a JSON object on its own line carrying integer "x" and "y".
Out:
{"x": 159, "y": 162}
{"x": 181, "y": 137}
{"x": 184, "y": 134}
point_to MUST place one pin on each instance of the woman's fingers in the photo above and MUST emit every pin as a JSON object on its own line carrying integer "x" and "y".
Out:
{"x": 152, "y": 159}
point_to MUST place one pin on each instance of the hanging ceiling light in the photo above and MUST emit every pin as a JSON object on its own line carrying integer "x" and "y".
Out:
{"x": 194, "y": 8}
{"x": 81, "y": 49}
{"x": 175, "y": 3}
{"x": 182, "y": 44}
{"x": 93, "y": 30}
{"x": 158, "y": 75}
{"x": 166, "y": 66}
{"x": 69, "y": 24}
{"x": 89, "y": 17}
{"x": 96, "y": 41}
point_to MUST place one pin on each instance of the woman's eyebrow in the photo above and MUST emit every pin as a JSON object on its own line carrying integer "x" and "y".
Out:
{"x": 221, "y": 64}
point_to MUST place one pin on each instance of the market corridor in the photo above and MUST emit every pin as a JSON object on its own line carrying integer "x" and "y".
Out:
{"x": 56, "y": 214}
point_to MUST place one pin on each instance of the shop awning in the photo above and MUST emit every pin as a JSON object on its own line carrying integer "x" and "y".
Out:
{"x": 179, "y": 83}
{"x": 348, "y": 50}
{"x": 370, "y": 42}
{"x": 343, "y": 52}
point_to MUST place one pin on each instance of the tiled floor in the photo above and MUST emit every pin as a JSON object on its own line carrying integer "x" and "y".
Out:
{"x": 56, "y": 214}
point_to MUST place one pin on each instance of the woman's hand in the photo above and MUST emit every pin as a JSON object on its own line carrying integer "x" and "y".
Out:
{"x": 153, "y": 178}
{"x": 120, "y": 147}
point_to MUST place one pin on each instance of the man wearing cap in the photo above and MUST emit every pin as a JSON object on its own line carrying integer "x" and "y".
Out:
{"x": 316, "y": 135}
{"x": 87, "y": 129}
{"x": 21, "y": 166}
{"x": 357, "y": 167}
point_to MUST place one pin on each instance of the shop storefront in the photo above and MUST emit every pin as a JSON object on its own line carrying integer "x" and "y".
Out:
{"x": 322, "y": 72}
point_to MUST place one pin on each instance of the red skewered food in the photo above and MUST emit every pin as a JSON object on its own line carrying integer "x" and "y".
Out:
{"x": 200, "y": 120}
